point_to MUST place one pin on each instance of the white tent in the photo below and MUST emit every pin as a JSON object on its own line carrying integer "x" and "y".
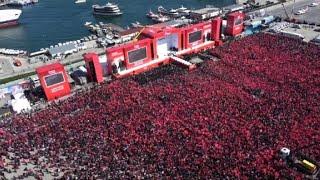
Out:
{"x": 20, "y": 103}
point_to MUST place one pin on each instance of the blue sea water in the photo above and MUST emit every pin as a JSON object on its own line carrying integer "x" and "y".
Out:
{"x": 52, "y": 21}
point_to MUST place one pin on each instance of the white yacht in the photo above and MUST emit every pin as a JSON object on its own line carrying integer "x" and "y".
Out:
{"x": 9, "y": 17}
{"x": 183, "y": 10}
{"x": 109, "y": 9}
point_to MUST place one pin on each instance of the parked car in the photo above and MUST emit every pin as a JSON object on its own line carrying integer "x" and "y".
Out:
{"x": 300, "y": 12}
{"x": 314, "y": 4}
{"x": 17, "y": 62}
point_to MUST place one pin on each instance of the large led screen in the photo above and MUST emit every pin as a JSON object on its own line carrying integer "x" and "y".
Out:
{"x": 137, "y": 55}
{"x": 194, "y": 36}
{"x": 54, "y": 79}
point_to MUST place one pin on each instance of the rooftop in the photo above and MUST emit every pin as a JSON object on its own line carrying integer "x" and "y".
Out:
{"x": 49, "y": 67}
{"x": 62, "y": 49}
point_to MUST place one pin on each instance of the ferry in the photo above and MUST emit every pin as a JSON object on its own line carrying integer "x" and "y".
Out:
{"x": 9, "y": 17}
{"x": 109, "y": 9}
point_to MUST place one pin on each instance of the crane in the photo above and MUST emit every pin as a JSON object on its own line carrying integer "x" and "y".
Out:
{"x": 141, "y": 31}
{"x": 136, "y": 37}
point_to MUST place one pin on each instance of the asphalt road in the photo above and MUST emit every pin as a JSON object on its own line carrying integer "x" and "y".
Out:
{"x": 312, "y": 15}
{"x": 6, "y": 67}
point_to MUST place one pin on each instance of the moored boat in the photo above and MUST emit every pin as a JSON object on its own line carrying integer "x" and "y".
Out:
{"x": 183, "y": 10}
{"x": 9, "y": 17}
{"x": 161, "y": 18}
{"x": 21, "y": 3}
{"x": 151, "y": 14}
{"x": 136, "y": 24}
{"x": 172, "y": 12}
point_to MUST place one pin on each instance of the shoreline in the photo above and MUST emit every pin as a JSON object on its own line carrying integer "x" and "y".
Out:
{"x": 15, "y": 72}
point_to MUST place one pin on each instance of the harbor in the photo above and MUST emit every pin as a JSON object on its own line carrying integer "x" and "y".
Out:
{"x": 182, "y": 92}
{"x": 15, "y": 63}
{"x": 102, "y": 37}
{"x": 64, "y": 21}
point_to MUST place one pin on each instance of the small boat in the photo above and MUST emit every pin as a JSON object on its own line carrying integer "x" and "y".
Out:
{"x": 109, "y": 36}
{"x": 116, "y": 36}
{"x": 109, "y": 41}
{"x": 79, "y": 1}
{"x": 183, "y": 10}
{"x": 101, "y": 23}
{"x": 109, "y": 9}
{"x": 162, "y": 10}
{"x": 171, "y": 13}
{"x": 151, "y": 14}
{"x": 161, "y": 19}
{"x": 136, "y": 24}
{"x": 87, "y": 24}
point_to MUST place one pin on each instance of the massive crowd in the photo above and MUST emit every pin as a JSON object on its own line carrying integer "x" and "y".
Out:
{"x": 227, "y": 119}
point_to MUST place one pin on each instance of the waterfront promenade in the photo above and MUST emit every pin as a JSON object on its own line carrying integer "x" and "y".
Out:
{"x": 8, "y": 69}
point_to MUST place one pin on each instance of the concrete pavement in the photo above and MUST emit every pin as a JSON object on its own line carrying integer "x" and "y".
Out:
{"x": 312, "y": 15}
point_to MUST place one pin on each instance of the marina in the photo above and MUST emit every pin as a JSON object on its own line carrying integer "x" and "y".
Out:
{"x": 103, "y": 35}
{"x": 66, "y": 22}
{"x": 183, "y": 92}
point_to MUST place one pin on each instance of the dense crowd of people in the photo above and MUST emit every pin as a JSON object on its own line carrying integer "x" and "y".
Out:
{"x": 227, "y": 119}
